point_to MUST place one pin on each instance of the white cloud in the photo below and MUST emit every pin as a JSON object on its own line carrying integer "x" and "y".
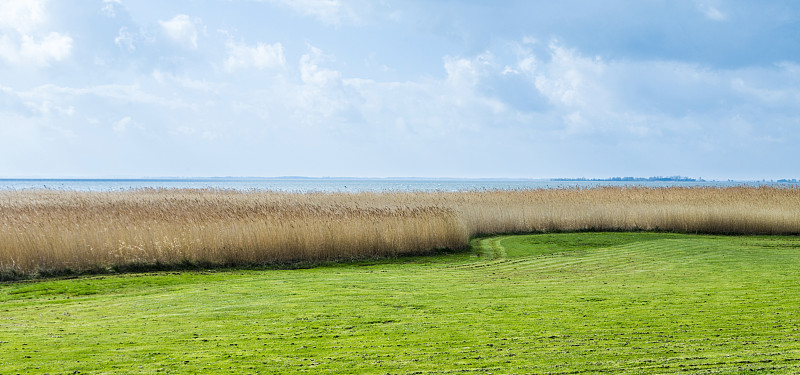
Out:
{"x": 28, "y": 50}
{"x": 22, "y": 40}
{"x": 124, "y": 39}
{"x": 23, "y": 16}
{"x": 465, "y": 73}
{"x": 260, "y": 56}
{"x": 312, "y": 73}
{"x": 110, "y": 7}
{"x": 712, "y": 12}
{"x": 655, "y": 99}
{"x": 46, "y": 108}
{"x": 182, "y": 29}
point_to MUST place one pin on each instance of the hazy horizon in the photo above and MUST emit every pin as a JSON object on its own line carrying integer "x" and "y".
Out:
{"x": 579, "y": 178}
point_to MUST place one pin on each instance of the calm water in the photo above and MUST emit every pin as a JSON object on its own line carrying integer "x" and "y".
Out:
{"x": 303, "y": 185}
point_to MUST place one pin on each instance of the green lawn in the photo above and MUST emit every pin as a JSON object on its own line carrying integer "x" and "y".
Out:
{"x": 550, "y": 303}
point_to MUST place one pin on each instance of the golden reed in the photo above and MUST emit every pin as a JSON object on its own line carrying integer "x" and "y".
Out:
{"x": 45, "y": 231}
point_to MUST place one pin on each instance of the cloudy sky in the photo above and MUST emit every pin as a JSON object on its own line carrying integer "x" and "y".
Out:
{"x": 123, "y": 88}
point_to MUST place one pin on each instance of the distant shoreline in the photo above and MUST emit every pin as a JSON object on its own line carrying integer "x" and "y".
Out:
{"x": 328, "y": 178}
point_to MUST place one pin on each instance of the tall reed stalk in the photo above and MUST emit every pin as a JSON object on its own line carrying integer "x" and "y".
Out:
{"x": 51, "y": 231}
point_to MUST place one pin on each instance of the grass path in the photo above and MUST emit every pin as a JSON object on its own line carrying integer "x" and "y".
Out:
{"x": 492, "y": 248}
{"x": 552, "y": 303}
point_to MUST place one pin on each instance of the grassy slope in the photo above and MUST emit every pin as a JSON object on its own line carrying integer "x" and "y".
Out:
{"x": 561, "y": 303}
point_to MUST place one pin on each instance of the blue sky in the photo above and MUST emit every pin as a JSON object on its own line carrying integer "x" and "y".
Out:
{"x": 537, "y": 89}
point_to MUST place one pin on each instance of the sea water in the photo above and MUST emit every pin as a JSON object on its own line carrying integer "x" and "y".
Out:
{"x": 349, "y": 185}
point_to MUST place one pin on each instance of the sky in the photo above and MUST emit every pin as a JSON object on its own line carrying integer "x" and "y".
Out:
{"x": 519, "y": 89}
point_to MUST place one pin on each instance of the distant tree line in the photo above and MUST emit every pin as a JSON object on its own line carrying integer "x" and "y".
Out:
{"x": 654, "y": 178}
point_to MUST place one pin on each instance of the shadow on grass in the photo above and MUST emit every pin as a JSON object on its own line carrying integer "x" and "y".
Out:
{"x": 8, "y": 276}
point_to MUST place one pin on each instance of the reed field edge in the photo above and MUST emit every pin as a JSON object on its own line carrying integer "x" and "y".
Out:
{"x": 50, "y": 232}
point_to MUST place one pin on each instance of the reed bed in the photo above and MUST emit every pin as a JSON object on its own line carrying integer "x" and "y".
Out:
{"x": 50, "y": 231}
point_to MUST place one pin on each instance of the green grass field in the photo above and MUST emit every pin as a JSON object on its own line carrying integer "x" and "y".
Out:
{"x": 548, "y": 303}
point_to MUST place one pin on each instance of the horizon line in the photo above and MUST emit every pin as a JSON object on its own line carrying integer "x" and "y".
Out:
{"x": 577, "y": 179}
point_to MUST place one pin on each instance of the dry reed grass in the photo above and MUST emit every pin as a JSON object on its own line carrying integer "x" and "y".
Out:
{"x": 43, "y": 231}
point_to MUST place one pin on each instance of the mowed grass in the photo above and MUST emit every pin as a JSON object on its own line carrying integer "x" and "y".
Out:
{"x": 637, "y": 302}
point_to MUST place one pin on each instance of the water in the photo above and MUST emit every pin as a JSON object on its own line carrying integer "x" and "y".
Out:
{"x": 350, "y": 185}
